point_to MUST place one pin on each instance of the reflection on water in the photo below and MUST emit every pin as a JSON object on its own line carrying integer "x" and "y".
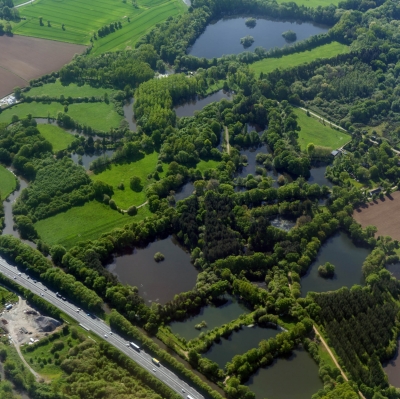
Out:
{"x": 197, "y": 104}
{"x": 392, "y": 367}
{"x": 87, "y": 159}
{"x": 157, "y": 282}
{"x": 212, "y": 315}
{"x": 185, "y": 191}
{"x": 129, "y": 115}
{"x": 295, "y": 377}
{"x": 284, "y": 224}
{"x": 318, "y": 176}
{"x": 239, "y": 342}
{"x": 223, "y": 37}
{"x": 347, "y": 259}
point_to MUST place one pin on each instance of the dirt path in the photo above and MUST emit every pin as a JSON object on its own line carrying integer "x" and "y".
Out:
{"x": 24, "y": 4}
{"x": 138, "y": 207}
{"x": 322, "y": 119}
{"x": 228, "y": 146}
{"x": 333, "y": 358}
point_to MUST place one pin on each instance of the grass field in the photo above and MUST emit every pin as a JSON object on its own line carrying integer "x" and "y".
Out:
{"x": 8, "y": 182}
{"x": 204, "y": 165}
{"x": 126, "y": 37}
{"x": 122, "y": 173}
{"x": 312, "y": 3}
{"x": 100, "y": 116}
{"x": 82, "y": 19}
{"x": 82, "y": 223}
{"x": 313, "y": 131}
{"x": 57, "y": 89}
{"x": 289, "y": 61}
{"x": 56, "y": 136}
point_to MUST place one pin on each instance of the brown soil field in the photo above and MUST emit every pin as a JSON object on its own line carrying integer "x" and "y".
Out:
{"x": 24, "y": 58}
{"x": 385, "y": 215}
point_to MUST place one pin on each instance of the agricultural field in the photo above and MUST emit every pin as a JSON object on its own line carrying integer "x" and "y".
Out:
{"x": 289, "y": 61}
{"x": 384, "y": 214}
{"x": 58, "y": 137}
{"x": 29, "y": 58}
{"x": 8, "y": 182}
{"x": 314, "y": 131}
{"x": 122, "y": 173}
{"x": 74, "y": 21}
{"x": 86, "y": 222}
{"x": 71, "y": 90}
{"x": 100, "y": 116}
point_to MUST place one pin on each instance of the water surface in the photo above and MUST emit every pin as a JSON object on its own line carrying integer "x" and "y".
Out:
{"x": 394, "y": 269}
{"x": 295, "y": 377}
{"x": 347, "y": 259}
{"x": 212, "y": 315}
{"x": 318, "y": 176}
{"x": 281, "y": 223}
{"x": 157, "y": 282}
{"x": 87, "y": 159}
{"x": 185, "y": 191}
{"x": 238, "y": 343}
{"x": 129, "y": 115}
{"x": 223, "y": 37}
{"x": 392, "y": 368}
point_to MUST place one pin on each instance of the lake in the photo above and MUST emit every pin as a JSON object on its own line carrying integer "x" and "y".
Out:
{"x": 156, "y": 282}
{"x": 238, "y": 343}
{"x": 347, "y": 259}
{"x": 197, "y": 104}
{"x": 223, "y": 37}
{"x": 87, "y": 159}
{"x": 214, "y": 317}
{"x": 295, "y": 377}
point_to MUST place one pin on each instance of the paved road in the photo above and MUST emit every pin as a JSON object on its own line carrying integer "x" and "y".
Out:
{"x": 101, "y": 329}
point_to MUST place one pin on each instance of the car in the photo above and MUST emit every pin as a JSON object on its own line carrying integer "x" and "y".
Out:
{"x": 42, "y": 294}
{"x": 110, "y": 332}
{"x": 28, "y": 277}
{"x": 183, "y": 391}
{"x": 154, "y": 370}
{"x": 78, "y": 310}
{"x": 35, "y": 281}
{"x": 19, "y": 274}
{"x": 15, "y": 277}
{"x": 45, "y": 289}
{"x": 127, "y": 345}
{"x": 63, "y": 298}
{"x": 105, "y": 336}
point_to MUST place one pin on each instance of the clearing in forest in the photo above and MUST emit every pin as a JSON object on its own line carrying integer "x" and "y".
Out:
{"x": 314, "y": 131}
{"x": 99, "y": 116}
{"x": 75, "y": 21}
{"x": 384, "y": 214}
{"x": 8, "y": 182}
{"x": 87, "y": 222}
{"x": 289, "y": 61}
{"x": 58, "y": 137}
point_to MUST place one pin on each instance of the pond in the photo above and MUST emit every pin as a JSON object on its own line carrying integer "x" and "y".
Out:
{"x": 318, "y": 176}
{"x": 394, "y": 269}
{"x": 294, "y": 377}
{"x": 238, "y": 343}
{"x": 223, "y": 37}
{"x": 214, "y": 317}
{"x": 185, "y": 191}
{"x": 157, "y": 282}
{"x": 199, "y": 103}
{"x": 347, "y": 259}
{"x": 129, "y": 115}
{"x": 281, "y": 223}
{"x": 87, "y": 159}
{"x": 392, "y": 367}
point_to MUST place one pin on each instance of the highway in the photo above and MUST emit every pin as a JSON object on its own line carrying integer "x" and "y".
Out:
{"x": 97, "y": 326}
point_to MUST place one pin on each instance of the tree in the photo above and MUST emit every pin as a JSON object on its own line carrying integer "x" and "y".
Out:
{"x": 135, "y": 183}
{"x": 8, "y": 29}
{"x": 41, "y": 21}
{"x": 327, "y": 270}
{"x": 57, "y": 252}
{"x": 310, "y": 148}
{"x": 132, "y": 210}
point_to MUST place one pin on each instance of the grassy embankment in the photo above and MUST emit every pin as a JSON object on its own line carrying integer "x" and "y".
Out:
{"x": 75, "y": 21}
{"x": 58, "y": 137}
{"x": 289, "y": 61}
{"x": 314, "y": 131}
{"x": 99, "y": 116}
{"x": 8, "y": 182}
{"x": 87, "y": 222}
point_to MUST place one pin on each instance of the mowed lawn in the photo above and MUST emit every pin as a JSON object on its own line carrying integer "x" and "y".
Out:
{"x": 58, "y": 137}
{"x": 130, "y": 33}
{"x": 100, "y": 116}
{"x": 313, "y": 131}
{"x": 87, "y": 222}
{"x": 76, "y": 21}
{"x": 122, "y": 174}
{"x": 289, "y": 61}
{"x": 8, "y": 182}
{"x": 71, "y": 90}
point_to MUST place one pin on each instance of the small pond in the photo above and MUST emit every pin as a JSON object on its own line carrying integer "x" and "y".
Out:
{"x": 392, "y": 367}
{"x": 394, "y": 268}
{"x": 87, "y": 159}
{"x": 199, "y": 103}
{"x": 318, "y": 176}
{"x": 238, "y": 343}
{"x": 223, "y": 37}
{"x": 347, "y": 259}
{"x": 214, "y": 317}
{"x": 295, "y": 377}
{"x": 281, "y": 223}
{"x": 129, "y": 115}
{"x": 157, "y": 282}
{"x": 185, "y": 191}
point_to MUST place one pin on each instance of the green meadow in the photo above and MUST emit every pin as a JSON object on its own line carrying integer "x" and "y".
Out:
{"x": 58, "y": 137}
{"x": 314, "y": 131}
{"x": 100, "y": 116}
{"x": 75, "y": 21}
{"x": 87, "y": 222}
{"x": 122, "y": 173}
{"x": 71, "y": 90}
{"x": 289, "y": 61}
{"x": 204, "y": 165}
{"x": 8, "y": 182}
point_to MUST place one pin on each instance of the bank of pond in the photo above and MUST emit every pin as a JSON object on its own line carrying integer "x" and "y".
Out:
{"x": 223, "y": 37}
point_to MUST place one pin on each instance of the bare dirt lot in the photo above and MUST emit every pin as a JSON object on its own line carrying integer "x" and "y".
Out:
{"x": 385, "y": 215}
{"x": 25, "y": 58}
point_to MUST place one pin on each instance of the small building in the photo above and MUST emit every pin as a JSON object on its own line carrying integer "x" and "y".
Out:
{"x": 335, "y": 153}
{"x": 375, "y": 191}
